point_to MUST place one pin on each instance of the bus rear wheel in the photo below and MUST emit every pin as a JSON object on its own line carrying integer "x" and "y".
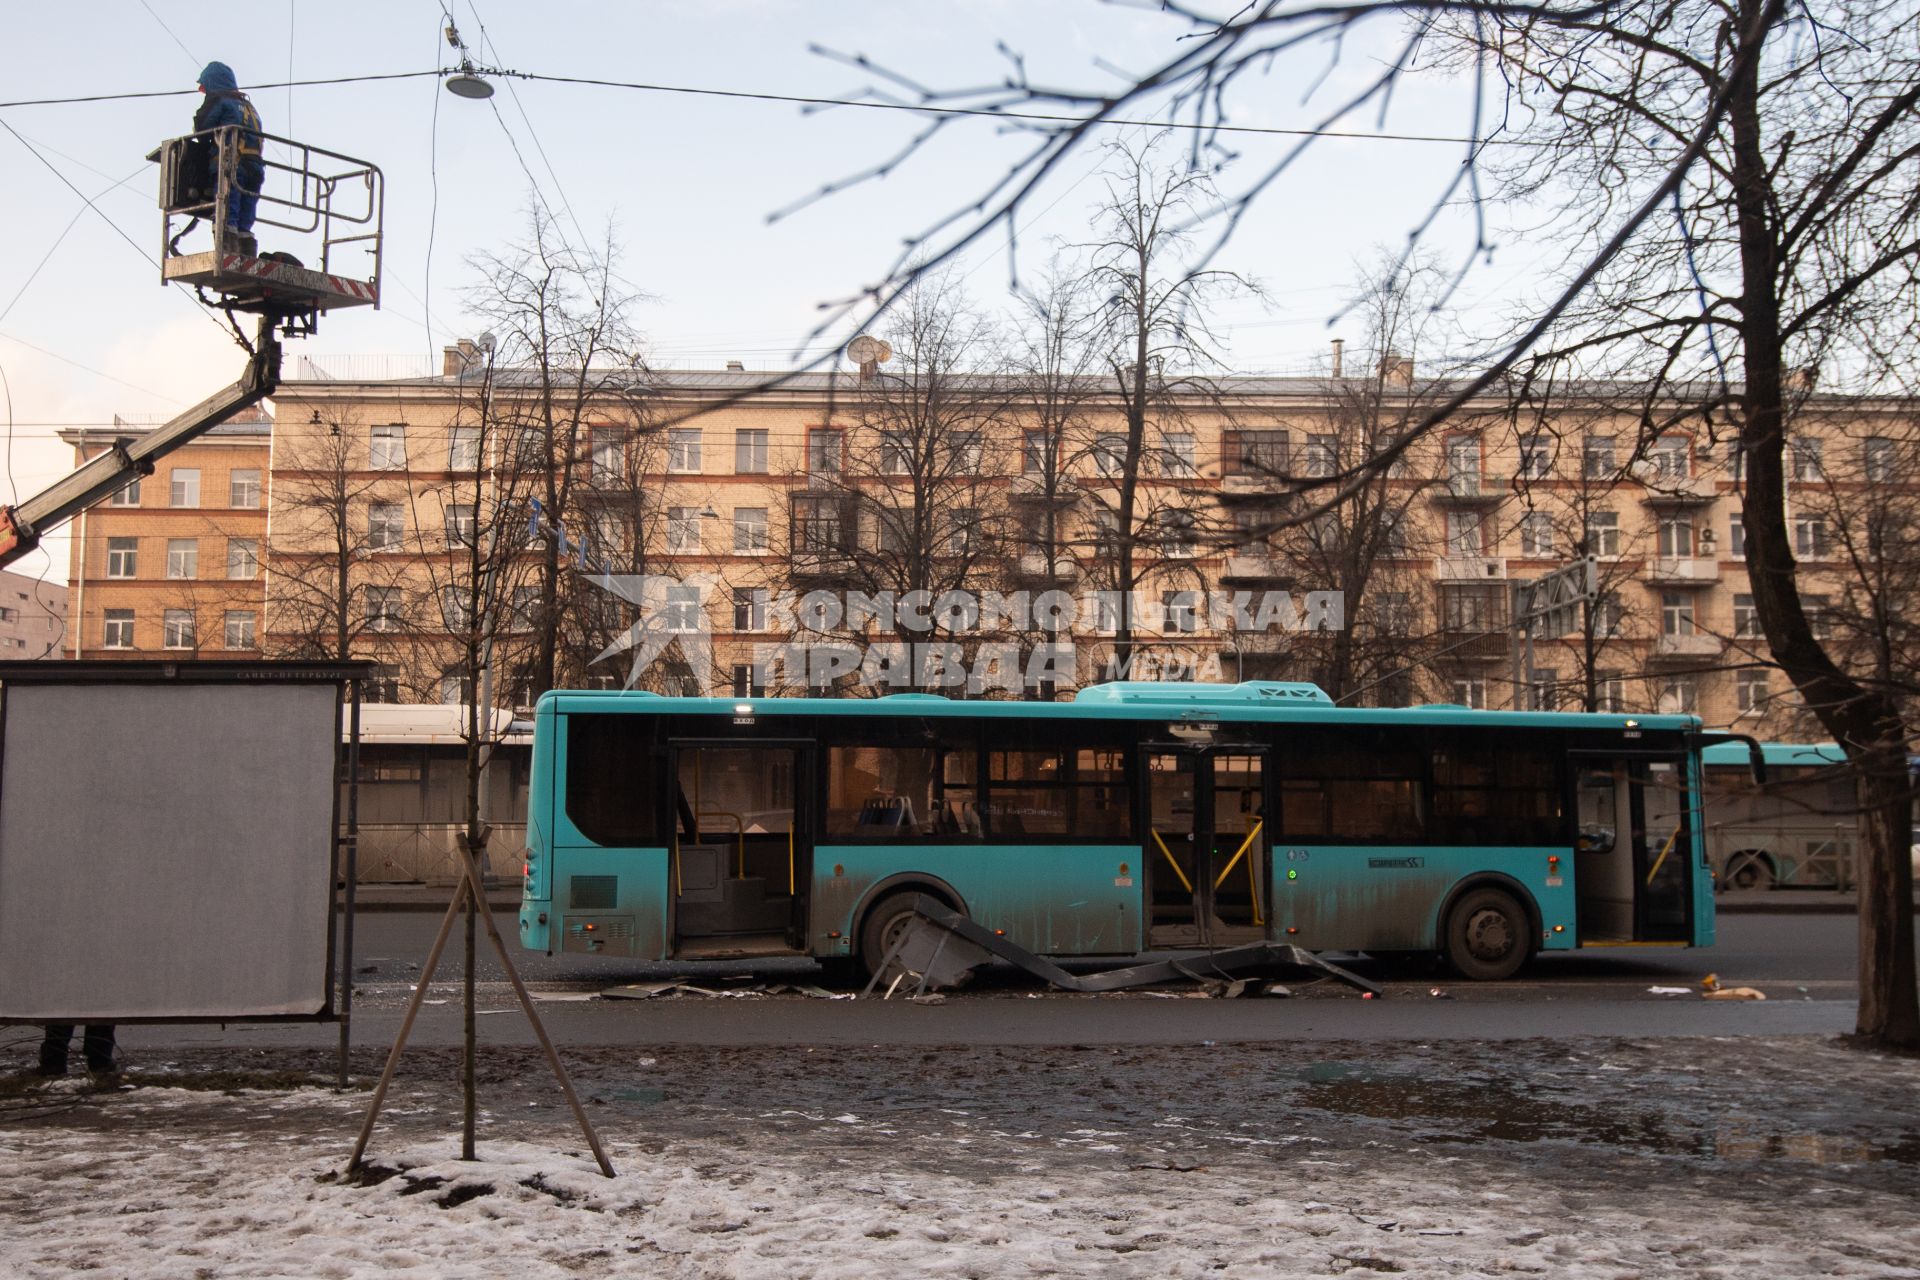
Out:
{"x": 1487, "y": 936}
{"x": 1749, "y": 870}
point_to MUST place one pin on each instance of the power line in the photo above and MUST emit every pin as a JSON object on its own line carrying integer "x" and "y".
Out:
{"x": 991, "y": 113}
{"x": 191, "y": 57}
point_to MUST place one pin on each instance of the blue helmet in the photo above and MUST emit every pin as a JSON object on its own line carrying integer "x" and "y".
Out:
{"x": 218, "y": 78}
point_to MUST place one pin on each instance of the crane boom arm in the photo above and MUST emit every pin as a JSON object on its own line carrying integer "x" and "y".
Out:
{"x": 22, "y": 526}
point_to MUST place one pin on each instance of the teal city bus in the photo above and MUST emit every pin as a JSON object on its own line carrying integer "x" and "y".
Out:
{"x": 1136, "y": 817}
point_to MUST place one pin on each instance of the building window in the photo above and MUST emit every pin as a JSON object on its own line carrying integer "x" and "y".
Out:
{"x": 1543, "y": 689}
{"x": 750, "y": 451}
{"x": 127, "y": 497}
{"x": 461, "y": 525}
{"x": 1536, "y": 534}
{"x": 1322, "y": 456}
{"x": 1395, "y": 613}
{"x": 383, "y": 608}
{"x": 386, "y": 525}
{"x": 1609, "y": 616}
{"x": 1105, "y": 533}
{"x": 1536, "y": 455}
{"x": 183, "y": 487}
{"x": 456, "y": 687}
{"x": 1469, "y": 691}
{"x": 749, "y": 609}
{"x": 1179, "y": 529}
{"x": 1737, "y": 537}
{"x": 1178, "y": 455}
{"x": 896, "y": 453}
{"x": 1750, "y": 691}
{"x": 824, "y": 446}
{"x": 1676, "y": 537}
{"x": 183, "y": 557}
{"x": 1603, "y": 533}
{"x": 608, "y": 459}
{"x": 969, "y": 452}
{"x": 456, "y": 609}
{"x": 387, "y": 447}
{"x": 123, "y": 557}
{"x": 817, "y": 525}
{"x": 1110, "y": 455}
{"x": 178, "y": 629}
{"x": 1810, "y": 537}
{"x": 1679, "y": 696}
{"x": 963, "y": 531}
{"x": 243, "y": 489}
{"x": 243, "y": 561}
{"x": 1107, "y": 608}
{"x": 1471, "y": 608}
{"x": 1610, "y": 693}
{"x": 1806, "y": 460}
{"x": 1877, "y": 459}
{"x": 1253, "y": 453}
{"x": 1396, "y": 540}
{"x": 463, "y": 449}
{"x": 1819, "y": 611}
{"x": 1597, "y": 458}
{"x": 1179, "y": 612}
{"x": 1676, "y": 613}
{"x": 1463, "y": 533}
{"x": 683, "y": 530}
{"x": 382, "y": 684}
{"x": 238, "y": 630}
{"x": 749, "y": 529}
{"x": 523, "y": 609}
{"x": 683, "y": 450}
{"x": 119, "y": 629}
{"x": 681, "y": 611}
{"x": 892, "y": 529}
{"x": 1463, "y": 459}
{"x": 1746, "y": 619}
{"x": 1669, "y": 457}
{"x": 1033, "y": 453}
{"x": 747, "y": 682}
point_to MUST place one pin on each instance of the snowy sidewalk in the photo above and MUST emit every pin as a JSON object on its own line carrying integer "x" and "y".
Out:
{"x": 1782, "y": 1157}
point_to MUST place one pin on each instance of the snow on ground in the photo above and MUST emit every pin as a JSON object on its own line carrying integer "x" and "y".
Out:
{"x": 1782, "y": 1158}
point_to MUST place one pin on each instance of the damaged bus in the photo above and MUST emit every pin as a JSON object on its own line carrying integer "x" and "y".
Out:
{"x": 1136, "y": 817}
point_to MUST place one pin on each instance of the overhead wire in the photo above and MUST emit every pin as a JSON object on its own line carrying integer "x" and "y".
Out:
{"x": 191, "y": 57}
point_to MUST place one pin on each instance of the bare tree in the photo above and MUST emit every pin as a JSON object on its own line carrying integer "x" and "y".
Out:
{"x": 571, "y": 366}
{"x": 1148, "y": 326}
{"x": 919, "y": 473}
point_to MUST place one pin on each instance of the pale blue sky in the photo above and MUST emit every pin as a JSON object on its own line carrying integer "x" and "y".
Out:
{"x": 687, "y": 180}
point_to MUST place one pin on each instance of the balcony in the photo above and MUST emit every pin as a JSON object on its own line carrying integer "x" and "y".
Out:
{"x": 1249, "y": 482}
{"x": 1666, "y": 490}
{"x": 1028, "y": 487}
{"x": 1470, "y": 489}
{"x": 1690, "y": 647}
{"x": 820, "y": 564}
{"x": 1248, "y": 566}
{"x": 1470, "y": 568}
{"x": 1681, "y": 571}
{"x": 1033, "y": 566}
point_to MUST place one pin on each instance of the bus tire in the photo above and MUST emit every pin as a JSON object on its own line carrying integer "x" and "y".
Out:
{"x": 1487, "y": 936}
{"x": 1749, "y": 869}
{"x": 887, "y": 919}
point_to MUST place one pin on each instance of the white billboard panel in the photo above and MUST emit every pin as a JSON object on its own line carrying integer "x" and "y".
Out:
{"x": 166, "y": 850}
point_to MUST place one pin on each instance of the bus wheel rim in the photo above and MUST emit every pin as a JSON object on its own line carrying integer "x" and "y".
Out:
{"x": 1489, "y": 935}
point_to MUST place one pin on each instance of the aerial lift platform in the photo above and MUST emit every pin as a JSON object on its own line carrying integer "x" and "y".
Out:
{"x": 328, "y": 206}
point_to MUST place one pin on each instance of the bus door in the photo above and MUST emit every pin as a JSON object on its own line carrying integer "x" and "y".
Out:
{"x": 741, "y": 861}
{"x": 1206, "y": 851}
{"x": 1633, "y": 845}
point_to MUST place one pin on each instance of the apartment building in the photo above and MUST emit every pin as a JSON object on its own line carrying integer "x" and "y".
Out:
{"x": 171, "y": 567}
{"x": 755, "y": 496}
{"x": 33, "y": 617}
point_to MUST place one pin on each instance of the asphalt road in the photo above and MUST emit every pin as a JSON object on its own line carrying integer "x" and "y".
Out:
{"x": 1804, "y": 964}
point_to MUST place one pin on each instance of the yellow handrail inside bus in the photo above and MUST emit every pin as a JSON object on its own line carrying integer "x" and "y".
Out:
{"x": 740, "y": 835}
{"x": 790, "y": 860}
{"x": 1665, "y": 849}
{"x": 1168, "y": 854}
{"x": 1253, "y": 876}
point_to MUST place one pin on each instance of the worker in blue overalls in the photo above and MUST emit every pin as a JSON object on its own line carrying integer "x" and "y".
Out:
{"x": 224, "y": 104}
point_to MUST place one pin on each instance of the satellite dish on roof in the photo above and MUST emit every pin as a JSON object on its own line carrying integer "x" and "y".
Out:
{"x": 867, "y": 349}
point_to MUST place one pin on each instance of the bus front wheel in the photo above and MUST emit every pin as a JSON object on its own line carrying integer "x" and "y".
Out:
{"x": 882, "y": 928}
{"x": 1487, "y": 934}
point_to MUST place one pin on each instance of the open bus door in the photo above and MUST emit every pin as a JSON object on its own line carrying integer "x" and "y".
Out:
{"x": 742, "y": 859}
{"x": 1206, "y": 851}
{"x": 1633, "y": 848}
